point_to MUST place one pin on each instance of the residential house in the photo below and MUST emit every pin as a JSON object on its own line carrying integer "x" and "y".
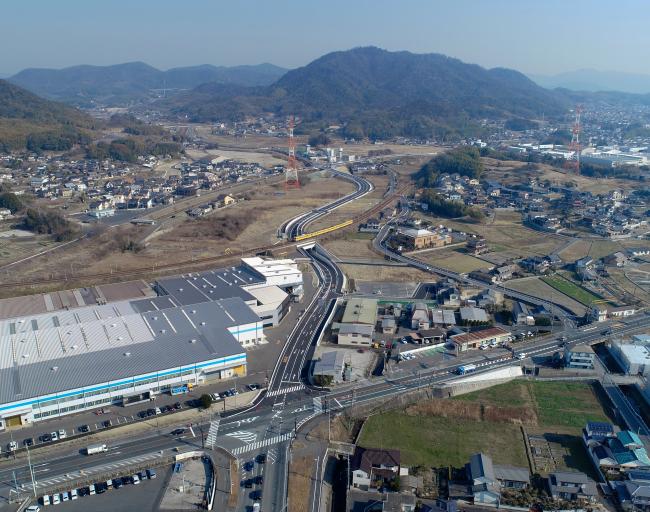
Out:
{"x": 420, "y": 316}
{"x": 572, "y": 486}
{"x": 330, "y": 366}
{"x": 372, "y": 468}
{"x": 521, "y": 314}
{"x": 476, "y": 246}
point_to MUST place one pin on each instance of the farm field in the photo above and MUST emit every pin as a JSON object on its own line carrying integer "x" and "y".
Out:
{"x": 505, "y": 234}
{"x": 571, "y": 289}
{"x": 439, "y": 442}
{"x": 560, "y": 407}
{"x": 535, "y": 286}
{"x": 556, "y": 409}
{"x": 594, "y": 248}
{"x": 454, "y": 260}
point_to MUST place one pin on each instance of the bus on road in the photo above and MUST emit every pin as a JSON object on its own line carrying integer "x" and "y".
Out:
{"x": 465, "y": 369}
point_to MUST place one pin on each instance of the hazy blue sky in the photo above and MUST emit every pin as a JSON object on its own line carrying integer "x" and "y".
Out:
{"x": 533, "y": 36}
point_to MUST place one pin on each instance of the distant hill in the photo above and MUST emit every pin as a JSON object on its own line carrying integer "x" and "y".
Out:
{"x": 591, "y": 80}
{"x": 28, "y": 121}
{"x": 381, "y": 93}
{"x": 123, "y": 84}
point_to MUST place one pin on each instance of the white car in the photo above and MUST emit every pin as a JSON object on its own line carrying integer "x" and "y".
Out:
{"x": 62, "y": 434}
{"x": 136, "y": 479}
{"x": 55, "y": 499}
{"x": 13, "y": 445}
{"x": 64, "y": 496}
{"x": 521, "y": 355}
{"x": 46, "y": 500}
{"x": 33, "y": 508}
{"x": 55, "y": 436}
{"x": 74, "y": 494}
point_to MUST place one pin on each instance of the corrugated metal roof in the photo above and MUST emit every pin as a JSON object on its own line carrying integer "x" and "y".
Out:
{"x": 89, "y": 352}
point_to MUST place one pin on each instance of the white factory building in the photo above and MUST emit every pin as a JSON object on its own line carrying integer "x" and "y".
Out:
{"x": 67, "y": 361}
{"x": 197, "y": 328}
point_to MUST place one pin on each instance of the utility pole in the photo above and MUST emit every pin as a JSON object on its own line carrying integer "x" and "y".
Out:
{"x": 31, "y": 471}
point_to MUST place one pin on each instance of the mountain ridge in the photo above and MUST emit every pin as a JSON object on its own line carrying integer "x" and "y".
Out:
{"x": 380, "y": 93}
{"x": 119, "y": 84}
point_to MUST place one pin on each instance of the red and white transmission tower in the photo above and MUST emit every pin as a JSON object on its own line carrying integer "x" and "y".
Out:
{"x": 574, "y": 163}
{"x": 291, "y": 172}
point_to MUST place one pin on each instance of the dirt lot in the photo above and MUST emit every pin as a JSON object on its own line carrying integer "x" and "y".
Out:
{"x": 263, "y": 158}
{"x": 351, "y": 244}
{"x": 385, "y": 273}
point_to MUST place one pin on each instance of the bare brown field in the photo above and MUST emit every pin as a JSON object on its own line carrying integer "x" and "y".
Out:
{"x": 596, "y": 248}
{"x": 347, "y": 245}
{"x": 535, "y": 286}
{"x": 175, "y": 240}
{"x": 453, "y": 260}
{"x": 251, "y": 156}
{"x": 15, "y": 248}
{"x": 385, "y": 273}
{"x": 349, "y": 210}
{"x": 518, "y": 172}
{"x": 506, "y": 234}
{"x": 301, "y": 471}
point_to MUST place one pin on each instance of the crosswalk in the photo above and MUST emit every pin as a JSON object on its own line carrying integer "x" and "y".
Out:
{"x": 212, "y": 433}
{"x": 261, "y": 444}
{"x": 284, "y": 391}
{"x": 243, "y": 435}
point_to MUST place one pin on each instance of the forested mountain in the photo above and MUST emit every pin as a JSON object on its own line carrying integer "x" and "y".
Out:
{"x": 380, "y": 93}
{"x": 26, "y": 120}
{"x": 123, "y": 84}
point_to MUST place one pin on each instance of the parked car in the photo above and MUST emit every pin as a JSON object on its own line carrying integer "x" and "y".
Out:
{"x": 73, "y": 494}
{"x": 64, "y": 496}
{"x": 151, "y": 473}
{"x": 62, "y": 434}
{"x": 107, "y": 423}
{"x": 177, "y": 431}
{"x": 12, "y": 446}
{"x": 261, "y": 458}
{"x": 54, "y": 436}
{"x": 259, "y": 479}
{"x": 28, "y": 442}
{"x": 135, "y": 479}
{"x": 117, "y": 483}
{"x": 56, "y": 499}
{"x": 46, "y": 438}
{"x": 178, "y": 406}
{"x": 253, "y": 387}
{"x": 248, "y": 483}
{"x": 521, "y": 355}
{"x": 84, "y": 428}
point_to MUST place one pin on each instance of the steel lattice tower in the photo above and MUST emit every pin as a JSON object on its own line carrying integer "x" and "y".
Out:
{"x": 575, "y": 142}
{"x": 291, "y": 172}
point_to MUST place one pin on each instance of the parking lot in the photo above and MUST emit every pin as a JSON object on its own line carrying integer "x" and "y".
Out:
{"x": 121, "y": 494}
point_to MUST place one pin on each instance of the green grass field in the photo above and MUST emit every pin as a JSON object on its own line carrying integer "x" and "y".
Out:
{"x": 438, "y": 442}
{"x": 562, "y": 408}
{"x": 572, "y": 290}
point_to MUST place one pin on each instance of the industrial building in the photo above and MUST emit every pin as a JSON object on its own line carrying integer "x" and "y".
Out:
{"x": 412, "y": 239}
{"x": 633, "y": 358}
{"x": 473, "y": 340}
{"x": 64, "y": 362}
{"x": 358, "y": 322}
{"x": 65, "y": 352}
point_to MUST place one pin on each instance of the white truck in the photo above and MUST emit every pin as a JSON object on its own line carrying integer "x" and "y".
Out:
{"x": 93, "y": 449}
